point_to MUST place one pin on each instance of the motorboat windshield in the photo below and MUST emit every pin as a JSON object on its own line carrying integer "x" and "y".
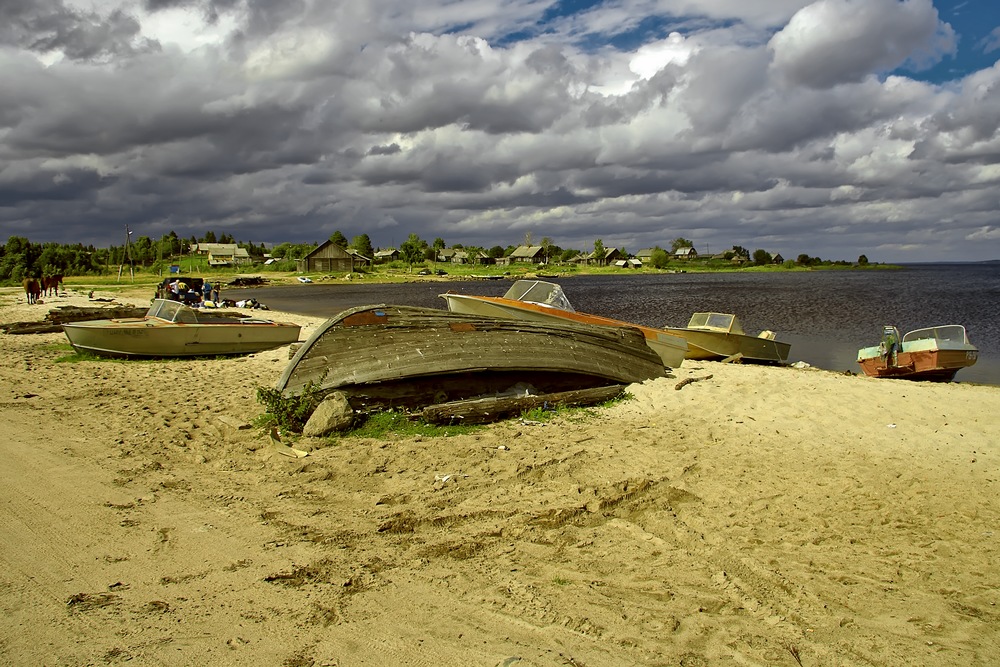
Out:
{"x": 723, "y": 322}
{"x": 172, "y": 311}
{"x": 951, "y": 332}
{"x": 541, "y": 292}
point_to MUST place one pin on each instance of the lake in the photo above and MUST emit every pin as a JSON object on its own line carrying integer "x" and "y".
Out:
{"x": 825, "y": 315}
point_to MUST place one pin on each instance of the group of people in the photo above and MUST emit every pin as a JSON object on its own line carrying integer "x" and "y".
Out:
{"x": 198, "y": 293}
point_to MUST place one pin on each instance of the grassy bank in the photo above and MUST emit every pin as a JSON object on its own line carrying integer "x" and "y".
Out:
{"x": 400, "y": 272}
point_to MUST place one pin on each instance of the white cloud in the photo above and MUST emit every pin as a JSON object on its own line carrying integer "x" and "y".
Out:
{"x": 832, "y": 42}
{"x": 984, "y": 233}
{"x": 283, "y": 120}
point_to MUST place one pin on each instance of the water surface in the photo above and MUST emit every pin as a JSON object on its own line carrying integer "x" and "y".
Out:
{"x": 825, "y": 315}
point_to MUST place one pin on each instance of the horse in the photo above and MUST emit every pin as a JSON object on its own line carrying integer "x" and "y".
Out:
{"x": 50, "y": 285}
{"x": 32, "y": 289}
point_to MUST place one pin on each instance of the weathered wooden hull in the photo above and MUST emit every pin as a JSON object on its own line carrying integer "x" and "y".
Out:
{"x": 671, "y": 348}
{"x": 400, "y": 356}
{"x": 145, "y": 337}
{"x": 929, "y": 365}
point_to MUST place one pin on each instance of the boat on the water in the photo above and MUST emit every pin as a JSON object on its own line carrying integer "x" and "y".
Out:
{"x": 542, "y": 301}
{"x": 933, "y": 353}
{"x": 720, "y": 336}
{"x": 171, "y": 329}
{"x": 386, "y": 356}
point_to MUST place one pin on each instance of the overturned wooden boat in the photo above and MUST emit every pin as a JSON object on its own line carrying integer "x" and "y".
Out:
{"x": 542, "y": 301}
{"x": 171, "y": 329}
{"x": 720, "y": 336}
{"x": 933, "y": 353}
{"x": 385, "y": 356}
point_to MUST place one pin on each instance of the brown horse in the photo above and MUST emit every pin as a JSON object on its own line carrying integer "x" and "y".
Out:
{"x": 50, "y": 285}
{"x": 32, "y": 289}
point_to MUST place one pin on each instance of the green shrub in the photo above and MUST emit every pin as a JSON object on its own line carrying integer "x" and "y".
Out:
{"x": 289, "y": 412}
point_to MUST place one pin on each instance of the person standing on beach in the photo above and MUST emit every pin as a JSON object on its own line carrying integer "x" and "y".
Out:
{"x": 216, "y": 292}
{"x": 206, "y": 291}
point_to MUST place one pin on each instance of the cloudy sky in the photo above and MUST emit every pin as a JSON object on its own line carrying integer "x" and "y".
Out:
{"x": 832, "y": 128}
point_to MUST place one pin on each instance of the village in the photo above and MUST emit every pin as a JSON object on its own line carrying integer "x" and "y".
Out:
{"x": 332, "y": 257}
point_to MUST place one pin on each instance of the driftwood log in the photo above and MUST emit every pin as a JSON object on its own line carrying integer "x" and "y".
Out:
{"x": 485, "y": 410}
{"x": 58, "y": 316}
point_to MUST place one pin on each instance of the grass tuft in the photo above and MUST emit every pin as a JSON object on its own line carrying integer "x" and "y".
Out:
{"x": 399, "y": 424}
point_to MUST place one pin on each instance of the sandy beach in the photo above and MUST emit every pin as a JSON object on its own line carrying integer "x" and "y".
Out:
{"x": 757, "y": 516}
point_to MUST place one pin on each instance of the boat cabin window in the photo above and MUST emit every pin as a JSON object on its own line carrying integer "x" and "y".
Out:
{"x": 172, "y": 311}
{"x": 715, "y": 322}
{"x": 955, "y": 332}
{"x": 539, "y": 291}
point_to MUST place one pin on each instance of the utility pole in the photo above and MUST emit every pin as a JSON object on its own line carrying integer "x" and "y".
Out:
{"x": 127, "y": 254}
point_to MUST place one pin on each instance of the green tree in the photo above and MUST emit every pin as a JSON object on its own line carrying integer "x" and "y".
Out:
{"x": 552, "y": 251}
{"x": 143, "y": 251}
{"x": 599, "y": 252}
{"x": 339, "y": 239}
{"x": 546, "y": 244}
{"x": 659, "y": 258}
{"x": 413, "y": 250}
{"x": 568, "y": 254}
{"x": 363, "y": 245}
{"x": 863, "y": 260}
{"x": 761, "y": 257}
{"x": 495, "y": 252}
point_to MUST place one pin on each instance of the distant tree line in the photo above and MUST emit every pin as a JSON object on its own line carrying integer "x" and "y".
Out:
{"x": 20, "y": 258}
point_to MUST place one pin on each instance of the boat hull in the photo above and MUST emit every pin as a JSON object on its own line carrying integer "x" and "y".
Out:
{"x": 671, "y": 348}
{"x": 715, "y": 346}
{"x": 400, "y": 356}
{"x": 152, "y": 338}
{"x": 929, "y": 365}
{"x": 934, "y": 354}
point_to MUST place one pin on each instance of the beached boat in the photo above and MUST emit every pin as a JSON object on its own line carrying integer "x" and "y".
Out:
{"x": 541, "y": 301}
{"x": 719, "y": 336}
{"x": 932, "y": 353}
{"x": 385, "y": 356}
{"x": 171, "y": 329}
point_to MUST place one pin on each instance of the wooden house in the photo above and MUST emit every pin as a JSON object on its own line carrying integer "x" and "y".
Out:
{"x": 328, "y": 257}
{"x": 360, "y": 260}
{"x": 222, "y": 254}
{"x": 645, "y": 255}
{"x": 611, "y": 255}
{"x": 387, "y": 255}
{"x": 447, "y": 255}
{"x": 528, "y": 254}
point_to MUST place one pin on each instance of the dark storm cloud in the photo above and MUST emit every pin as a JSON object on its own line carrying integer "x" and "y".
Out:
{"x": 46, "y": 26}
{"x": 278, "y": 121}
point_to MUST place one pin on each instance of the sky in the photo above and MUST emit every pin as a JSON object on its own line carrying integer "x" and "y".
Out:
{"x": 832, "y": 128}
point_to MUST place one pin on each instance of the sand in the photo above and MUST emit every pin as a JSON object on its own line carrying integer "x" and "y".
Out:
{"x": 762, "y": 516}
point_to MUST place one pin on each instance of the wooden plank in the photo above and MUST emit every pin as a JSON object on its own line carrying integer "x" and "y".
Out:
{"x": 57, "y": 316}
{"x": 490, "y": 409}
